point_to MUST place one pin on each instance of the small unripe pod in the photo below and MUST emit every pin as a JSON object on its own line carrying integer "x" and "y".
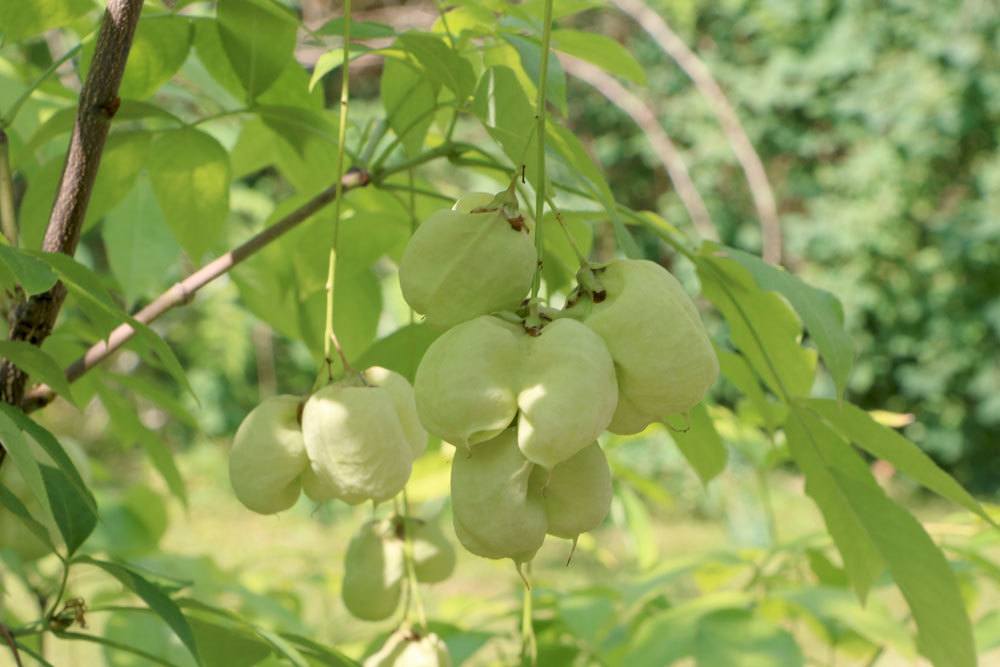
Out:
{"x": 577, "y": 493}
{"x": 663, "y": 358}
{"x": 361, "y": 438}
{"x": 373, "y": 573}
{"x": 405, "y": 648}
{"x": 495, "y": 512}
{"x": 433, "y": 555}
{"x": 269, "y": 456}
{"x": 460, "y": 264}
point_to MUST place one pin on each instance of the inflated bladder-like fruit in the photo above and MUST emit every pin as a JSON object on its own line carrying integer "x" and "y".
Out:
{"x": 373, "y": 572}
{"x": 577, "y": 492}
{"x": 361, "y": 438}
{"x": 406, "y": 648}
{"x": 474, "y": 259}
{"x": 433, "y": 555}
{"x": 663, "y": 357}
{"x": 14, "y": 535}
{"x": 496, "y": 512}
{"x": 269, "y": 456}
{"x": 480, "y": 376}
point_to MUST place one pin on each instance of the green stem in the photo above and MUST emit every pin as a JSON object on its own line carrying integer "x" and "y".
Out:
{"x": 529, "y": 645}
{"x": 768, "y": 502}
{"x": 411, "y": 568}
{"x": 8, "y": 118}
{"x": 398, "y": 139}
{"x": 329, "y": 336}
{"x": 399, "y": 187}
{"x": 540, "y": 139}
{"x": 221, "y": 114}
{"x": 8, "y": 214}
{"x": 59, "y": 594}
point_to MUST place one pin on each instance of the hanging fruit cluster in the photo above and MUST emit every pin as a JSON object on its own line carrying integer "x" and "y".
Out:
{"x": 522, "y": 391}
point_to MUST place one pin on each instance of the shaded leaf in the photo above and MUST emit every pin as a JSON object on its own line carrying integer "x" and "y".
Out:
{"x": 38, "y": 364}
{"x": 738, "y": 638}
{"x": 72, "y": 513}
{"x": 258, "y": 37}
{"x": 32, "y": 275}
{"x": 602, "y": 51}
{"x": 700, "y": 443}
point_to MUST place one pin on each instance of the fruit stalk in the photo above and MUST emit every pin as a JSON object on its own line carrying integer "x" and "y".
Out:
{"x": 533, "y": 319}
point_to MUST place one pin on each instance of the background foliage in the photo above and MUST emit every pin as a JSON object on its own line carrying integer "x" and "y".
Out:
{"x": 876, "y": 126}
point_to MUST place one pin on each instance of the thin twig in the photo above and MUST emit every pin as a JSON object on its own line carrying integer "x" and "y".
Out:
{"x": 32, "y": 321}
{"x": 183, "y": 291}
{"x": 644, "y": 116}
{"x": 9, "y": 638}
{"x": 698, "y": 72}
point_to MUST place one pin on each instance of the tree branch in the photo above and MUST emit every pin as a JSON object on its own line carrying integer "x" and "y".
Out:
{"x": 182, "y": 292}
{"x": 698, "y": 72}
{"x": 32, "y": 321}
{"x": 665, "y": 150}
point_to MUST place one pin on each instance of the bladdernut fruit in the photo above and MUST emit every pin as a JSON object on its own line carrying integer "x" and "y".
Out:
{"x": 268, "y": 456}
{"x": 495, "y": 512}
{"x": 373, "y": 573}
{"x": 577, "y": 493}
{"x": 477, "y": 258}
{"x": 557, "y": 388}
{"x": 663, "y": 357}
{"x": 433, "y": 554}
{"x": 361, "y": 438}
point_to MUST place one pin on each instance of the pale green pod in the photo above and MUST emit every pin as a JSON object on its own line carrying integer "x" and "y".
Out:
{"x": 663, "y": 357}
{"x": 473, "y": 200}
{"x": 495, "y": 512}
{"x": 577, "y": 492}
{"x": 357, "y": 444}
{"x": 406, "y": 405}
{"x": 567, "y": 392}
{"x": 268, "y": 456}
{"x": 433, "y": 555}
{"x": 14, "y": 535}
{"x": 466, "y": 383}
{"x": 459, "y": 264}
{"x": 373, "y": 573}
{"x": 406, "y": 648}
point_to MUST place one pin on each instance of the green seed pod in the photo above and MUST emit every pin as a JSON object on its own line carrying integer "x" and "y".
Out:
{"x": 466, "y": 384}
{"x": 373, "y": 573}
{"x": 406, "y": 405}
{"x": 495, "y": 512}
{"x": 577, "y": 493}
{"x": 567, "y": 392}
{"x": 405, "y": 648}
{"x": 664, "y": 360}
{"x": 269, "y": 456}
{"x": 460, "y": 264}
{"x": 14, "y": 535}
{"x": 433, "y": 555}
{"x": 475, "y": 379}
{"x": 360, "y": 444}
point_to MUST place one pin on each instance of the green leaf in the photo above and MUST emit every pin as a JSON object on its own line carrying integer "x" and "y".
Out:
{"x": 401, "y": 350}
{"x": 736, "y": 369}
{"x": 259, "y": 39}
{"x": 190, "y": 175}
{"x": 409, "y": 100}
{"x": 126, "y": 424}
{"x": 858, "y": 426}
{"x": 155, "y": 392}
{"x": 83, "y": 283}
{"x": 738, "y": 638}
{"x": 72, "y": 513}
{"x": 820, "y": 312}
{"x": 640, "y": 528}
{"x": 578, "y": 161}
{"x": 13, "y": 504}
{"x": 159, "y": 49}
{"x": 38, "y": 364}
{"x": 441, "y": 63}
{"x": 818, "y": 451}
{"x": 19, "y": 20}
{"x": 700, "y": 444}
{"x": 504, "y": 110}
{"x": 53, "y": 449}
{"x": 944, "y": 633}
{"x": 298, "y": 126}
{"x": 125, "y": 156}
{"x": 561, "y": 262}
{"x": 140, "y": 247}
{"x": 333, "y": 59}
{"x": 32, "y": 275}
{"x": 602, "y": 51}
{"x": 530, "y": 52}
{"x": 19, "y": 450}
{"x": 153, "y": 596}
{"x": 761, "y": 325}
